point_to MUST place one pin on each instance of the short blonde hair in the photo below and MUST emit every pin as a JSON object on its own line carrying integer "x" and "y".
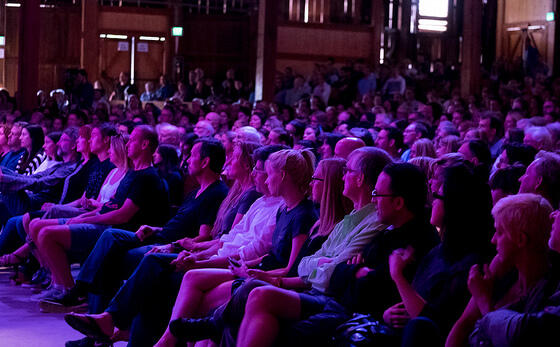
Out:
{"x": 424, "y": 148}
{"x": 525, "y": 213}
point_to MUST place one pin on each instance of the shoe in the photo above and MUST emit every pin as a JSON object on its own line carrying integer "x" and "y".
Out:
{"x": 65, "y": 302}
{"x": 192, "y": 330}
{"x": 40, "y": 279}
{"x": 52, "y": 291}
{"x": 88, "y": 326}
{"x": 86, "y": 342}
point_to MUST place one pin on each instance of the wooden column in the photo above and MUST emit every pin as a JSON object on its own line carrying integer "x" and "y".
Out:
{"x": 89, "y": 45}
{"x": 378, "y": 27}
{"x": 472, "y": 27}
{"x": 266, "y": 50}
{"x": 28, "y": 67}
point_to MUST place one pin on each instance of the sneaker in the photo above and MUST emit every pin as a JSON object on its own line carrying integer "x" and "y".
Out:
{"x": 85, "y": 342}
{"x": 65, "y": 302}
{"x": 41, "y": 279}
{"x": 51, "y": 291}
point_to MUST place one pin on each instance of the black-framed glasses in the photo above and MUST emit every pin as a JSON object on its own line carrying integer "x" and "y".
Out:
{"x": 437, "y": 196}
{"x": 317, "y": 179}
{"x": 374, "y": 194}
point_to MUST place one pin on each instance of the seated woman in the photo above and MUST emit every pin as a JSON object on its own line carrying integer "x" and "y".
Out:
{"x": 522, "y": 232}
{"x": 438, "y": 292}
{"x": 32, "y": 139}
{"x": 289, "y": 174}
{"x": 166, "y": 160}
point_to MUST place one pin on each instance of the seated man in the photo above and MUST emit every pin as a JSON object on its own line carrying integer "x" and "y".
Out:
{"x": 543, "y": 177}
{"x": 139, "y": 199}
{"x": 194, "y": 221}
{"x": 11, "y": 159}
{"x": 21, "y": 193}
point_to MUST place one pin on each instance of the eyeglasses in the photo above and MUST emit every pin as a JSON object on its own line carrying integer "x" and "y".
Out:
{"x": 437, "y": 196}
{"x": 374, "y": 194}
{"x": 317, "y": 179}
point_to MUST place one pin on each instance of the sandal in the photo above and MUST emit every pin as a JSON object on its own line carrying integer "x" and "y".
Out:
{"x": 11, "y": 259}
{"x": 87, "y": 326}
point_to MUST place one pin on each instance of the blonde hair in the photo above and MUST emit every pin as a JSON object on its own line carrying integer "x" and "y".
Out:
{"x": 424, "y": 148}
{"x": 424, "y": 163}
{"x": 333, "y": 205}
{"x": 451, "y": 143}
{"x": 297, "y": 164}
{"x": 525, "y": 213}
{"x": 118, "y": 143}
{"x": 236, "y": 191}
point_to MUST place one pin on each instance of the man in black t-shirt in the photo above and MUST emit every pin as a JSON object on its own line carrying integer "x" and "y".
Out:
{"x": 194, "y": 220}
{"x": 140, "y": 199}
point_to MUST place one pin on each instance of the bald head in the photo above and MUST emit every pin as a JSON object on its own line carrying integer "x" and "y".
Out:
{"x": 346, "y": 146}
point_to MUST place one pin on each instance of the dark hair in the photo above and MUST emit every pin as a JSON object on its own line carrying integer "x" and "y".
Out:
{"x": 148, "y": 133}
{"x": 520, "y": 153}
{"x": 37, "y": 139}
{"x": 283, "y": 135}
{"x": 213, "y": 149}
{"x": 331, "y": 139}
{"x": 420, "y": 128}
{"x": 72, "y": 132}
{"x": 169, "y": 156}
{"x": 395, "y": 134}
{"x": 409, "y": 182}
{"x": 299, "y": 126}
{"x": 364, "y": 135}
{"x": 516, "y": 135}
{"x": 507, "y": 179}
{"x": 480, "y": 150}
{"x": 189, "y": 139}
{"x": 80, "y": 115}
{"x": 54, "y": 136}
{"x": 262, "y": 153}
{"x": 495, "y": 123}
{"x": 106, "y": 129}
{"x": 467, "y": 203}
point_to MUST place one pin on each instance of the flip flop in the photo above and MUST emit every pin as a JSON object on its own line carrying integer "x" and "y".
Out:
{"x": 88, "y": 327}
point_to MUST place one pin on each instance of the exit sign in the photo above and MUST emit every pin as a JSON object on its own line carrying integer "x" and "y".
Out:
{"x": 177, "y": 31}
{"x": 550, "y": 16}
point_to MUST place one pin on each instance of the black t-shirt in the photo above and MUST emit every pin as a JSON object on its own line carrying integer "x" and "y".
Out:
{"x": 91, "y": 176}
{"x": 247, "y": 199}
{"x": 289, "y": 224}
{"x": 146, "y": 190}
{"x": 174, "y": 183}
{"x": 194, "y": 212}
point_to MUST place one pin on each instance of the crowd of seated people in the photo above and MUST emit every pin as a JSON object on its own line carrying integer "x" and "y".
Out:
{"x": 200, "y": 216}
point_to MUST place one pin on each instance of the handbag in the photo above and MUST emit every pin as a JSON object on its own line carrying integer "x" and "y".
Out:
{"x": 364, "y": 330}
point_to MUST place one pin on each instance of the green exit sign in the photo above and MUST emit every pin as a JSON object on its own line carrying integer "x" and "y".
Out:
{"x": 550, "y": 16}
{"x": 177, "y": 31}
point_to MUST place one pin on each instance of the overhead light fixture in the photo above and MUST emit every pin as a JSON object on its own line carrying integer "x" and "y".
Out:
{"x": 116, "y": 37}
{"x": 149, "y": 38}
{"x": 13, "y": 4}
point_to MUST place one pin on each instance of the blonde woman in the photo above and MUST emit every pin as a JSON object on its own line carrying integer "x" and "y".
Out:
{"x": 423, "y": 148}
{"x": 448, "y": 144}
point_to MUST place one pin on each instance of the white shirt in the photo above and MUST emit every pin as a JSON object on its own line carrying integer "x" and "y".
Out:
{"x": 252, "y": 236}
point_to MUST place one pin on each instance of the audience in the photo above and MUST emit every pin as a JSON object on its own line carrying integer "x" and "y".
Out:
{"x": 72, "y": 190}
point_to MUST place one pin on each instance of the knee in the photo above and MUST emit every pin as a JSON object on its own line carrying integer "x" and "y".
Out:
{"x": 44, "y": 236}
{"x": 261, "y": 298}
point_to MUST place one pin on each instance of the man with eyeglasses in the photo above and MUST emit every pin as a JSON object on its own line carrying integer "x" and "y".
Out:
{"x": 364, "y": 284}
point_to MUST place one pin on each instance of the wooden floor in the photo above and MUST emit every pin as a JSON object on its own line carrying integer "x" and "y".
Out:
{"x": 23, "y": 325}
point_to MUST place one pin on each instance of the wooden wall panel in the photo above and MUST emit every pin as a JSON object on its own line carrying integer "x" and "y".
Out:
{"x": 523, "y": 11}
{"x": 324, "y": 41}
{"x": 129, "y": 21}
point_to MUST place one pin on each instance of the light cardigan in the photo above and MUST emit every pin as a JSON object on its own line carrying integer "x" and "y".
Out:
{"x": 348, "y": 239}
{"x": 252, "y": 236}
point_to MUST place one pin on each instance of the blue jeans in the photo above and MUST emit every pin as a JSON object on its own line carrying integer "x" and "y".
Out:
{"x": 12, "y": 235}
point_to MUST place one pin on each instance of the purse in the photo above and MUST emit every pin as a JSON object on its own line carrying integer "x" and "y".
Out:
{"x": 364, "y": 330}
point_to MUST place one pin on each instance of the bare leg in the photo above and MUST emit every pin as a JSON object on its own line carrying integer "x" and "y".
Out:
{"x": 265, "y": 307}
{"x": 37, "y": 224}
{"x": 194, "y": 287}
{"x": 26, "y": 219}
{"x": 53, "y": 241}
